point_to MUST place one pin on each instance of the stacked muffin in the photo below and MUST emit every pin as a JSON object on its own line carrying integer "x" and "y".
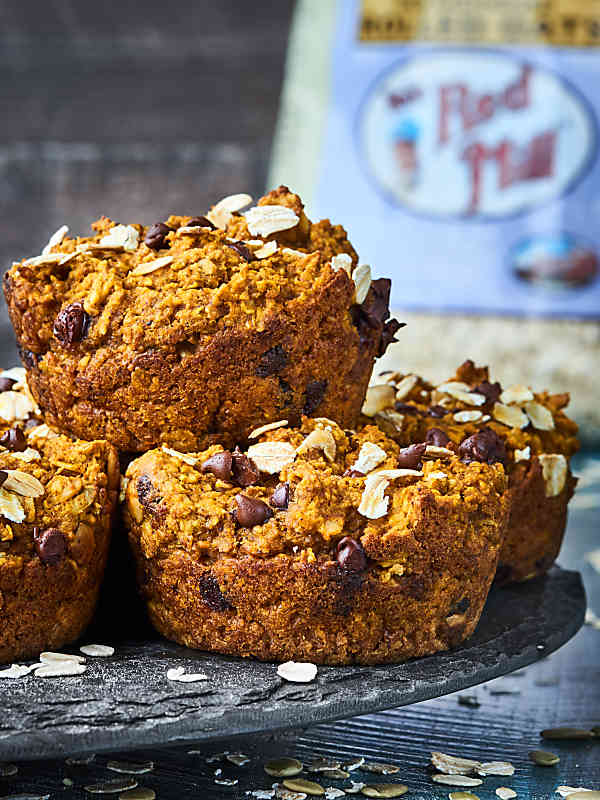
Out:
{"x": 267, "y": 516}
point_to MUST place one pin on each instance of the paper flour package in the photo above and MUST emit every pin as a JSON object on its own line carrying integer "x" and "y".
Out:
{"x": 458, "y": 144}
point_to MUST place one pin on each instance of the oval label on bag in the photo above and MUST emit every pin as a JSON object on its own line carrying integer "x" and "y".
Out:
{"x": 477, "y": 134}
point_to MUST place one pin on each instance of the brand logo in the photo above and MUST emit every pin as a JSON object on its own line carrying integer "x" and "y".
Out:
{"x": 474, "y": 133}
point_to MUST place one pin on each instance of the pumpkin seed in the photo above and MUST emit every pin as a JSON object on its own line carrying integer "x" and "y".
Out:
{"x": 565, "y": 791}
{"x": 567, "y": 733}
{"x": 463, "y": 796}
{"x": 331, "y": 793}
{"x": 504, "y": 793}
{"x": 283, "y": 767}
{"x": 590, "y": 794}
{"x": 380, "y": 769}
{"x": 140, "y": 793}
{"x": 385, "y": 790}
{"x": 323, "y": 765}
{"x": 302, "y": 785}
{"x": 130, "y": 769}
{"x": 456, "y": 780}
{"x": 111, "y": 787}
{"x": 335, "y": 774}
{"x": 543, "y": 758}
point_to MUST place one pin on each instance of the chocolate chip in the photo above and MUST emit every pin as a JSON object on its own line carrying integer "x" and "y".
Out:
{"x": 200, "y": 222}
{"x": 374, "y": 312}
{"x": 281, "y": 496}
{"x": 219, "y": 465}
{"x": 272, "y": 361}
{"x": 388, "y": 335}
{"x": 410, "y": 457}
{"x": 29, "y": 358}
{"x": 250, "y": 511}
{"x": 438, "y": 411}
{"x": 147, "y": 494}
{"x": 437, "y": 437}
{"x": 6, "y": 384}
{"x": 244, "y": 470}
{"x": 241, "y": 249}
{"x": 3, "y": 476}
{"x": 485, "y": 446}
{"x": 156, "y": 235}
{"x": 353, "y": 473}
{"x": 406, "y": 408}
{"x": 350, "y": 555}
{"x": 50, "y": 545}
{"x": 14, "y": 439}
{"x": 211, "y": 593}
{"x": 313, "y": 395}
{"x": 459, "y": 607}
{"x": 71, "y": 324}
{"x": 491, "y": 391}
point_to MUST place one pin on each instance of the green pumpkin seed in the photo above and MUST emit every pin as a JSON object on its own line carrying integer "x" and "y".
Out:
{"x": 567, "y": 733}
{"x": 543, "y": 758}
{"x": 385, "y": 790}
{"x": 463, "y": 796}
{"x": 593, "y": 794}
{"x": 302, "y": 785}
{"x": 138, "y": 794}
{"x": 335, "y": 774}
{"x": 283, "y": 767}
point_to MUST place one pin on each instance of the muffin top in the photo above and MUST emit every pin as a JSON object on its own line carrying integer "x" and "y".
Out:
{"x": 185, "y": 278}
{"x": 53, "y": 489}
{"x": 314, "y": 493}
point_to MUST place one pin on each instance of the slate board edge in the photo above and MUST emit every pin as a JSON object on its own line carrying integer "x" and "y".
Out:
{"x": 252, "y": 719}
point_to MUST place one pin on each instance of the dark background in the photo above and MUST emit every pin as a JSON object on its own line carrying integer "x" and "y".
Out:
{"x": 132, "y": 110}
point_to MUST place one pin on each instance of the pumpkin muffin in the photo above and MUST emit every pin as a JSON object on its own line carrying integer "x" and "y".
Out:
{"x": 193, "y": 331}
{"x": 316, "y": 544}
{"x": 532, "y": 437}
{"x": 56, "y": 500}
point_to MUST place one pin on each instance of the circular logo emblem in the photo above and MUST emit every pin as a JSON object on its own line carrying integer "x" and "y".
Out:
{"x": 473, "y": 133}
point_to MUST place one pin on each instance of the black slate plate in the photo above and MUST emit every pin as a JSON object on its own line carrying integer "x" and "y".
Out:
{"x": 127, "y": 702}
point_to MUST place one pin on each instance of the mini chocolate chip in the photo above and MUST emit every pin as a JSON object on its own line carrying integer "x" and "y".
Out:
{"x": 200, "y": 222}
{"x": 244, "y": 470}
{"x": 145, "y": 491}
{"x": 250, "y": 511}
{"x": 388, "y": 335}
{"x": 438, "y": 412}
{"x": 437, "y": 437}
{"x": 353, "y": 473}
{"x": 406, "y": 408}
{"x": 156, "y": 235}
{"x": 350, "y": 555}
{"x": 211, "y": 593}
{"x": 14, "y": 439}
{"x": 71, "y": 324}
{"x": 29, "y": 358}
{"x": 272, "y": 361}
{"x": 459, "y": 607}
{"x": 281, "y": 496}
{"x": 241, "y": 249}
{"x": 410, "y": 457}
{"x": 313, "y": 395}
{"x": 50, "y": 545}
{"x": 6, "y": 384}
{"x": 485, "y": 446}
{"x": 491, "y": 391}
{"x": 219, "y": 465}
{"x": 3, "y": 476}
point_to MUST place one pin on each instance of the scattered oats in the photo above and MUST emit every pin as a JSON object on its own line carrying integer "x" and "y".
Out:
{"x": 123, "y": 488}
{"x": 124, "y": 236}
{"x": 111, "y": 787}
{"x": 272, "y": 457}
{"x": 456, "y": 780}
{"x": 524, "y": 454}
{"x": 362, "y": 283}
{"x": 510, "y": 415}
{"x": 504, "y": 793}
{"x": 271, "y": 426}
{"x": 56, "y": 239}
{"x": 130, "y": 768}
{"x": 323, "y": 765}
{"x": 146, "y": 267}
{"x": 16, "y": 670}
{"x": 266, "y": 220}
{"x": 554, "y": 470}
{"x": 50, "y": 657}
{"x": 319, "y": 439}
{"x": 218, "y": 772}
{"x": 342, "y": 261}
{"x": 486, "y": 418}
{"x": 15, "y": 406}
{"x": 297, "y": 672}
{"x": 593, "y": 558}
{"x": 335, "y": 774}
{"x": 453, "y": 765}
{"x": 543, "y": 758}
{"x": 369, "y": 457}
{"x": 179, "y": 674}
{"x": 10, "y": 507}
{"x": 97, "y": 650}
{"x": 565, "y": 791}
{"x": 239, "y": 759}
{"x": 378, "y": 398}
{"x": 434, "y": 452}
{"x": 355, "y": 787}
{"x": 405, "y": 387}
{"x": 18, "y": 374}
{"x": 60, "y": 669}
{"x": 467, "y": 416}
{"x": 356, "y": 763}
{"x": 380, "y": 769}
{"x": 373, "y": 502}
{"x": 436, "y": 476}
{"x": 303, "y": 785}
{"x": 504, "y": 768}
{"x": 28, "y": 455}
{"x": 226, "y": 781}
{"x": 190, "y": 460}
{"x": 266, "y": 250}
{"x": 139, "y": 793}
{"x": 283, "y": 767}
{"x": 22, "y": 483}
{"x": 517, "y": 394}
{"x": 42, "y": 432}
{"x": 290, "y": 252}
{"x": 540, "y": 416}
{"x": 45, "y": 258}
{"x": 385, "y": 790}
{"x": 461, "y": 391}
{"x": 8, "y": 770}
{"x": 263, "y": 794}
{"x": 331, "y": 793}
{"x": 233, "y": 202}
